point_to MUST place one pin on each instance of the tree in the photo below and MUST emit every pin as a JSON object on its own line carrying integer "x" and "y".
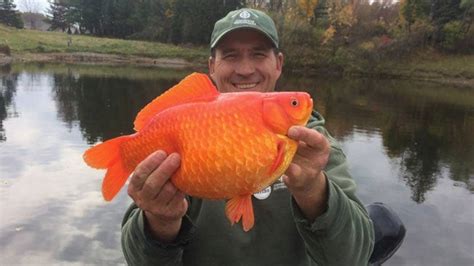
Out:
{"x": 413, "y": 10}
{"x": 443, "y": 12}
{"x": 57, "y": 13}
{"x": 468, "y": 14}
{"x": 8, "y": 15}
{"x": 193, "y": 20}
{"x": 341, "y": 19}
{"x": 308, "y": 7}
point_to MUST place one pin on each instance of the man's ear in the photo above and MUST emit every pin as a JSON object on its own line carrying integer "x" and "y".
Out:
{"x": 279, "y": 64}
{"x": 210, "y": 63}
{"x": 280, "y": 59}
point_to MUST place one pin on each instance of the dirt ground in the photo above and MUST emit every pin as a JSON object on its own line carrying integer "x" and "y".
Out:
{"x": 95, "y": 58}
{"x": 4, "y": 59}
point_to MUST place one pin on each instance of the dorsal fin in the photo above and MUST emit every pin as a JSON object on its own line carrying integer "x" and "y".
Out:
{"x": 193, "y": 88}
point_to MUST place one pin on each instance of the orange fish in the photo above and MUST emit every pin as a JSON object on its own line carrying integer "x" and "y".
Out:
{"x": 231, "y": 144}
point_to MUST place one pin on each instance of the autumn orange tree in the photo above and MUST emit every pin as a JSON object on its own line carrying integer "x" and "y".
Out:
{"x": 341, "y": 19}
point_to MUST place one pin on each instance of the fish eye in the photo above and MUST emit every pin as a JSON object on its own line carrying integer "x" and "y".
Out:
{"x": 294, "y": 102}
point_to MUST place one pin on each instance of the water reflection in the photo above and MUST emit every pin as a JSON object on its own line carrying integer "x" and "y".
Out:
{"x": 104, "y": 107}
{"x": 7, "y": 92}
{"x": 52, "y": 211}
{"x": 409, "y": 144}
{"x": 426, "y": 128}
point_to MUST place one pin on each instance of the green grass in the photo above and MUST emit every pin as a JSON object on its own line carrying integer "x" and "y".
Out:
{"x": 453, "y": 65}
{"x": 30, "y": 41}
{"x": 427, "y": 65}
{"x": 431, "y": 65}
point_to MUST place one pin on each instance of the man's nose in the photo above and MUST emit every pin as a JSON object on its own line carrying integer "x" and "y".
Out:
{"x": 245, "y": 67}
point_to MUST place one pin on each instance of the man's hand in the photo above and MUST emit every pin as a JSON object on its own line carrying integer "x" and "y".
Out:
{"x": 304, "y": 177}
{"x": 163, "y": 204}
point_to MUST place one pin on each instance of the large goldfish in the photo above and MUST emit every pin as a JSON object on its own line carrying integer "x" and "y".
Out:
{"x": 231, "y": 144}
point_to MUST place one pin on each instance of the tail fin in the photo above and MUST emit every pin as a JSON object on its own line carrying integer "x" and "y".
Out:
{"x": 107, "y": 155}
{"x": 240, "y": 207}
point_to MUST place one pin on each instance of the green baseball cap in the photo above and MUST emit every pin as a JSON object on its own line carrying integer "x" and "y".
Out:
{"x": 245, "y": 18}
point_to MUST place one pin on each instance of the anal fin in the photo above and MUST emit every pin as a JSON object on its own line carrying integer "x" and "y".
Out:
{"x": 240, "y": 207}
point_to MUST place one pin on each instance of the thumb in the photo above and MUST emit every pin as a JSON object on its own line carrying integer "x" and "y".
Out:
{"x": 290, "y": 178}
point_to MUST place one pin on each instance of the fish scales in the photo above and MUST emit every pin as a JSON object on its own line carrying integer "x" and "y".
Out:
{"x": 231, "y": 145}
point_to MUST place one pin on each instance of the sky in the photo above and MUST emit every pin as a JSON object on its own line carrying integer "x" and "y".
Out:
{"x": 37, "y": 5}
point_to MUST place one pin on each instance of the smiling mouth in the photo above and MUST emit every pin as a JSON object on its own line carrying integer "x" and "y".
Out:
{"x": 245, "y": 86}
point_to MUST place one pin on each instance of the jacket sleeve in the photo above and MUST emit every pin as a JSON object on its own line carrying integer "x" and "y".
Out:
{"x": 139, "y": 248}
{"x": 344, "y": 234}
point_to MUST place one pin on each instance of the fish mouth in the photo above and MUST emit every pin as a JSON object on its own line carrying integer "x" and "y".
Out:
{"x": 309, "y": 110}
{"x": 310, "y": 107}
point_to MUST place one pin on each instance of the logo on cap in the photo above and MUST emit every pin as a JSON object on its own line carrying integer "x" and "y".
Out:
{"x": 244, "y": 18}
{"x": 244, "y": 14}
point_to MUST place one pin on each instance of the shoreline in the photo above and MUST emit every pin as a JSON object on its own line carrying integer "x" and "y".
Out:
{"x": 179, "y": 63}
{"x": 96, "y": 59}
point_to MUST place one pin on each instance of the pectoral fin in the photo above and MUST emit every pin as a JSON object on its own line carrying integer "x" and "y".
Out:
{"x": 279, "y": 157}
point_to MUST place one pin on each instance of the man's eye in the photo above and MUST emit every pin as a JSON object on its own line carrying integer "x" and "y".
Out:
{"x": 260, "y": 55}
{"x": 229, "y": 56}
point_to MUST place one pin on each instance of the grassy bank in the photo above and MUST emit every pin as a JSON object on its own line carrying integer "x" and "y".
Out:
{"x": 30, "y": 46}
{"x": 429, "y": 66}
{"x": 23, "y": 43}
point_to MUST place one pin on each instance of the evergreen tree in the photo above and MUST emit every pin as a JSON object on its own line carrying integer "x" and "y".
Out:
{"x": 442, "y": 12}
{"x": 150, "y": 21}
{"x": 468, "y": 14}
{"x": 413, "y": 10}
{"x": 123, "y": 25}
{"x": 8, "y": 15}
{"x": 193, "y": 20}
{"x": 57, "y": 13}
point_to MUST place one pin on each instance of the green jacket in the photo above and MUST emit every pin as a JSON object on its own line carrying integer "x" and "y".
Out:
{"x": 343, "y": 235}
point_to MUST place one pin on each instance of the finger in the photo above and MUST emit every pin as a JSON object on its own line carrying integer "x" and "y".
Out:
{"x": 176, "y": 208}
{"x": 309, "y": 136}
{"x": 305, "y": 151}
{"x": 166, "y": 194}
{"x": 305, "y": 159}
{"x": 145, "y": 168}
{"x": 179, "y": 203}
{"x": 295, "y": 177}
{"x": 158, "y": 178}
{"x": 287, "y": 181}
{"x": 293, "y": 171}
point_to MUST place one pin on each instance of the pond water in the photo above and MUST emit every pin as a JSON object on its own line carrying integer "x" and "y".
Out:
{"x": 409, "y": 145}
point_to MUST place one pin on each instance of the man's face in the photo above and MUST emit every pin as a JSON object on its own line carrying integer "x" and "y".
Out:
{"x": 245, "y": 61}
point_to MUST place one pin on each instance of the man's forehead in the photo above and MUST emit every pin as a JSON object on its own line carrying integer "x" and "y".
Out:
{"x": 245, "y": 37}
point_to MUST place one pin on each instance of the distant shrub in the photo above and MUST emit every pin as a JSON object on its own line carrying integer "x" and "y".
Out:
{"x": 301, "y": 43}
{"x": 367, "y": 46}
{"x": 40, "y": 49}
{"x": 452, "y": 35}
{"x": 5, "y": 49}
{"x": 346, "y": 60}
{"x": 421, "y": 34}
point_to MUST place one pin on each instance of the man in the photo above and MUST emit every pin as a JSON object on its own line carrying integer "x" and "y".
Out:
{"x": 311, "y": 216}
